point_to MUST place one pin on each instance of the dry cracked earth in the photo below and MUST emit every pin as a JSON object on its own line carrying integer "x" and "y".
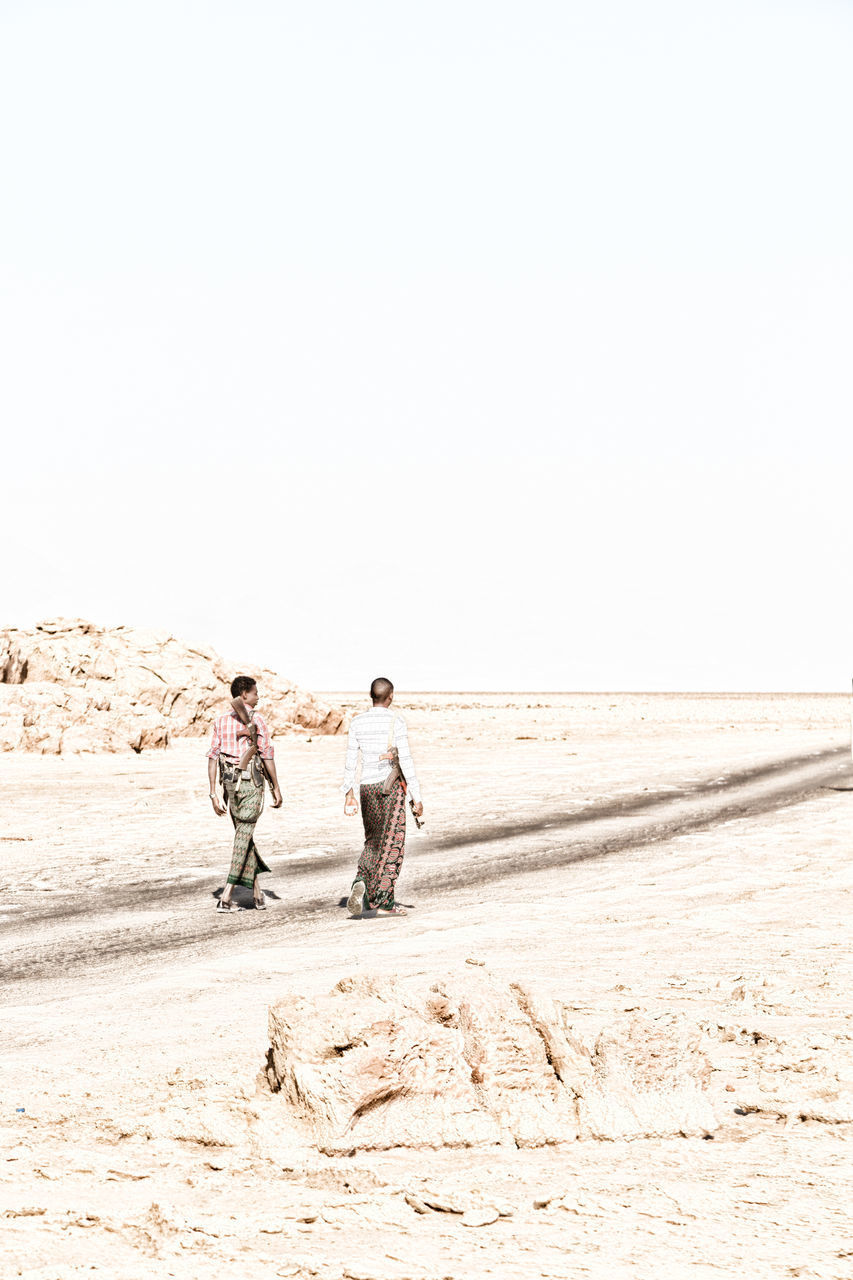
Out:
{"x": 655, "y": 855}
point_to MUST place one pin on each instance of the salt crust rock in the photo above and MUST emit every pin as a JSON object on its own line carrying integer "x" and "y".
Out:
{"x": 70, "y": 685}
{"x": 468, "y": 1061}
{"x": 792, "y": 1068}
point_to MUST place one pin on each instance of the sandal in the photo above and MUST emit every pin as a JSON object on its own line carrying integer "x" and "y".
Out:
{"x": 357, "y": 899}
{"x": 227, "y": 906}
{"x": 391, "y": 911}
{"x": 260, "y": 903}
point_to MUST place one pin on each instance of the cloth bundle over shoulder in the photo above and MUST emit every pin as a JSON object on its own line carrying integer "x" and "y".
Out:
{"x": 257, "y": 770}
{"x": 393, "y": 755}
{"x": 396, "y": 773}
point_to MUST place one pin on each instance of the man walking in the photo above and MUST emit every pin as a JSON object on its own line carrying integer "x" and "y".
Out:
{"x": 233, "y": 749}
{"x": 374, "y": 735}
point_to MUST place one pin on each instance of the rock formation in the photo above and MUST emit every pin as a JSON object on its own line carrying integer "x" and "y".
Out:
{"x": 69, "y": 685}
{"x": 467, "y": 1060}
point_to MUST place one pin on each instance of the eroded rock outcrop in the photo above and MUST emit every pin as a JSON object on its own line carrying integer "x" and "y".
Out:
{"x": 467, "y": 1060}
{"x": 69, "y": 685}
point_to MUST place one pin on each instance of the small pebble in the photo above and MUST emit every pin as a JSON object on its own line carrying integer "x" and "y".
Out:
{"x": 480, "y": 1217}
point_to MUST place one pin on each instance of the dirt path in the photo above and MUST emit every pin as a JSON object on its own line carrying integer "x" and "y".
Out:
{"x": 95, "y": 929}
{"x": 135, "y": 1019}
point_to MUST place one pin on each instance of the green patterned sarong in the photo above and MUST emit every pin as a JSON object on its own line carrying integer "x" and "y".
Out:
{"x": 245, "y": 804}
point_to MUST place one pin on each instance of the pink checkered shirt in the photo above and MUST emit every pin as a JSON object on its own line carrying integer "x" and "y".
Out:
{"x": 226, "y": 743}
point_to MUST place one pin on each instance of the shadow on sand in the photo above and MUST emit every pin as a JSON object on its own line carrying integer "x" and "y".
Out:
{"x": 634, "y": 805}
{"x": 243, "y": 897}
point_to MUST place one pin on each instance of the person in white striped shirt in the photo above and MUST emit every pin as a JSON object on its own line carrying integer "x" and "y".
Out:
{"x": 374, "y": 735}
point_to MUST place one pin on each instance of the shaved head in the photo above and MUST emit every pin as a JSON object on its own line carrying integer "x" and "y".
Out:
{"x": 381, "y": 689}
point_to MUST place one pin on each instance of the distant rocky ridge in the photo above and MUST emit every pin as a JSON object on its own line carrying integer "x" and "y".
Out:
{"x": 69, "y": 685}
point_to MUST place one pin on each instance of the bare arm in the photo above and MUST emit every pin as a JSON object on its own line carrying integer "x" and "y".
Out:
{"x": 350, "y": 806}
{"x": 211, "y": 778}
{"x": 269, "y": 765}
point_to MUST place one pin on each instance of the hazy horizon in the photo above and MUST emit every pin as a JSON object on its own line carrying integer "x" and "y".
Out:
{"x": 403, "y": 694}
{"x": 249, "y": 663}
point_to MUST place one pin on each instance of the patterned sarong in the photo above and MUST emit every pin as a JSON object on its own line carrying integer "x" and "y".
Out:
{"x": 384, "y": 819}
{"x": 245, "y": 804}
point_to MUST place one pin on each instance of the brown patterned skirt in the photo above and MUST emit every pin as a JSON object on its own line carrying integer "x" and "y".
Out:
{"x": 384, "y": 818}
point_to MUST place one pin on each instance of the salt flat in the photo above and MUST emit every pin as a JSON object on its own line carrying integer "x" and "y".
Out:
{"x": 655, "y": 852}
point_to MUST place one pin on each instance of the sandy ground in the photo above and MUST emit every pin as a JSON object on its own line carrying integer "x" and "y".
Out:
{"x": 660, "y": 852}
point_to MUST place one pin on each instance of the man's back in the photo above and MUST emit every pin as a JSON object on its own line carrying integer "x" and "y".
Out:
{"x": 226, "y": 742}
{"x": 369, "y": 734}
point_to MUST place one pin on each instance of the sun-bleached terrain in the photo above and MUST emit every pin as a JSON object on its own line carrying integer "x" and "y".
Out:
{"x": 654, "y": 860}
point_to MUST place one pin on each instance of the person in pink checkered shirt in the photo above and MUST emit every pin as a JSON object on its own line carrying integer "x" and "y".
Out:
{"x": 232, "y": 753}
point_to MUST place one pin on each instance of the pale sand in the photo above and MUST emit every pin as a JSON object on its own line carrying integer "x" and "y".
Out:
{"x": 136, "y": 1040}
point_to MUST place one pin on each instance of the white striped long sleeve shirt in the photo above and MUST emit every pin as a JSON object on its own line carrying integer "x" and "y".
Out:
{"x": 368, "y": 735}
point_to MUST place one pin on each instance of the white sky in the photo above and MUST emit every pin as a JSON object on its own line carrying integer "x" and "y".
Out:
{"x": 484, "y": 345}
